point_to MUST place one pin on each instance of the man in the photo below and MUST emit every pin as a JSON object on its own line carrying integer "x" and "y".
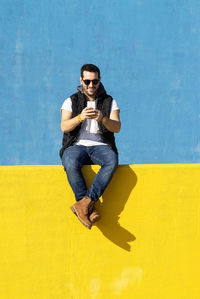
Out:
{"x": 90, "y": 117}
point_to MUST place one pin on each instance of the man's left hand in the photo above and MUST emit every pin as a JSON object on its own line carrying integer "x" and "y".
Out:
{"x": 98, "y": 115}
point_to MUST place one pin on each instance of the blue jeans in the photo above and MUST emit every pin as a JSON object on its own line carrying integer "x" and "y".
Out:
{"x": 75, "y": 156}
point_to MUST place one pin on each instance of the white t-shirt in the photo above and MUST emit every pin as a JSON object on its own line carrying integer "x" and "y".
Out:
{"x": 89, "y": 133}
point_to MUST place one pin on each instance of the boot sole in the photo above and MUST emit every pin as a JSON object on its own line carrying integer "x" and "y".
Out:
{"x": 81, "y": 220}
{"x": 95, "y": 218}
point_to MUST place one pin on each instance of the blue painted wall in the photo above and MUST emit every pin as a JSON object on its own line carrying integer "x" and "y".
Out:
{"x": 149, "y": 55}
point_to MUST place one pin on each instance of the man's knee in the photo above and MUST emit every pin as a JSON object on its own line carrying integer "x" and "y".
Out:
{"x": 112, "y": 162}
{"x": 115, "y": 163}
{"x": 69, "y": 162}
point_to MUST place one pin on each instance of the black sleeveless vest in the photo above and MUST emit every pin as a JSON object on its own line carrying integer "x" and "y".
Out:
{"x": 79, "y": 102}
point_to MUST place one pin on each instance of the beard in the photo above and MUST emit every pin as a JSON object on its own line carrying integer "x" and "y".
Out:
{"x": 90, "y": 91}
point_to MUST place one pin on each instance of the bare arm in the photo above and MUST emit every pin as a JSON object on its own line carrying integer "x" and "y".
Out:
{"x": 68, "y": 123}
{"x": 112, "y": 123}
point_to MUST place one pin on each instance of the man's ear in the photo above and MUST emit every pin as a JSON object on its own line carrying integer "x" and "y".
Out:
{"x": 81, "y": 80}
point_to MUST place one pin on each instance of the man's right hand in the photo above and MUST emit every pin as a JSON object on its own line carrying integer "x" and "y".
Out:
{"x": 68, "y": 123}
{"x": 88, "y": 113}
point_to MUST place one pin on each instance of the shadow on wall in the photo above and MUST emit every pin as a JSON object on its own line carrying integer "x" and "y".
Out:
{"x": 113, "y": 203}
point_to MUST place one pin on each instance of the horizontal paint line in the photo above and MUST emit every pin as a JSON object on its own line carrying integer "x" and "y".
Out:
{"x": 188, "y": 165}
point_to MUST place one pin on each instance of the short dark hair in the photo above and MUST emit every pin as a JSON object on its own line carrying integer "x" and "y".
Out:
{"x": 90, "y": 68}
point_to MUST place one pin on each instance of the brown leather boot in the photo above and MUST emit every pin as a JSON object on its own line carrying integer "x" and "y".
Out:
{"x": 80, "y": 209}
{"x": 94, "y": 215}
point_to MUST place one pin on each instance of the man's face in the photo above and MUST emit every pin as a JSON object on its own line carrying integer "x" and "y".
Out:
{"x": 91, "y": 88}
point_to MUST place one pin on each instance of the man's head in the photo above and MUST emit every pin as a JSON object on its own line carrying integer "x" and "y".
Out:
{"x": 90, "y": 79}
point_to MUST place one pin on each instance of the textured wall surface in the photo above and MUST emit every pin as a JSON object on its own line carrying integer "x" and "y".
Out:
{"x": 148, "y": 52}
{"x": 146, "y": 245}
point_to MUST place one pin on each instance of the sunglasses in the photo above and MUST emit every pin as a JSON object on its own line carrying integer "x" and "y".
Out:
{"x": 94, "y": 82}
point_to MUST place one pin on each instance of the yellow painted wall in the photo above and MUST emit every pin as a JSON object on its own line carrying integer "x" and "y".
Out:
{"x": 146, "y": 246}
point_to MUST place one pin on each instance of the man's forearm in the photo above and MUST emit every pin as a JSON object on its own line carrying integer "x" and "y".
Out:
{"x": 112, "y": 125}
{"x": 70, "y": 124}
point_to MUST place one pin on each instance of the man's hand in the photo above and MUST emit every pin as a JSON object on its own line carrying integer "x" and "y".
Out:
{"x": 98, "y": 115}
{"x": 91, "y": 113}
{"x": 88, "y": 113}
